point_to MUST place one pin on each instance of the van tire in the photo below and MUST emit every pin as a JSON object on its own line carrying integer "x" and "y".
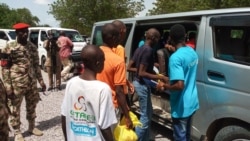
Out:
{"x": 42, "y": 64}
{"x": 232, "y": 132}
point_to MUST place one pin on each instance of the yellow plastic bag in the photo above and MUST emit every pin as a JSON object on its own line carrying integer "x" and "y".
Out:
{"x": 121, "y": 133}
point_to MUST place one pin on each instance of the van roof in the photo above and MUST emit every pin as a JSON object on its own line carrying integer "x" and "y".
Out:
{"x": 183, "y": 14}
{"x": 50, "y": 28}
{"x": 7, "y": 29}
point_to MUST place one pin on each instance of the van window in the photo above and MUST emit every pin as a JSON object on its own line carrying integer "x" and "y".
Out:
{"x": 97, "y": 38}
{"x": 232, "y": 38}
{"x": 44, "y": 36}
{"x": 3, "y": 36}
{"x": 73, "y": 35}
{"x": 232, "y": 44}
{"x": 12, "y": 34}
{"x": 34, "y": 37}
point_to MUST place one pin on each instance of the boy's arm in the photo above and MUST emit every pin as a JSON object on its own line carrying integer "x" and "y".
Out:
{"x": 177, "y": 85}
{"x": 143, "y": 73}
{"x": 64, "y": 127}
{"x": 130, "y": 68}
{"x": 130, "y": 86}
{"x": 107, "y": 134}
{"x": 120, "y": 81}
{"x": 123, "y": 104}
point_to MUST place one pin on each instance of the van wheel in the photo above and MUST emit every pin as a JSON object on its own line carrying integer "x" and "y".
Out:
{"x": 42, "y": 64}
{"x": 233, "y": 133}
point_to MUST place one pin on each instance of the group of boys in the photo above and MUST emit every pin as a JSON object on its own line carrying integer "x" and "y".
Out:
{"x": 95, "y": 99}
{"x": 109, "y": 69}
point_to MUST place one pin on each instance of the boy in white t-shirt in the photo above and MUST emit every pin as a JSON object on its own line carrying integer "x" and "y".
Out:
{"x": 87, "y": 108}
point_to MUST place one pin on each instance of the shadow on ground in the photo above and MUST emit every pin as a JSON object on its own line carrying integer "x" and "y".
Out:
{"x": 44, "y": 125}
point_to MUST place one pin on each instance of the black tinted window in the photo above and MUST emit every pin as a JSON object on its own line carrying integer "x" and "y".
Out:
{"x": 232, "y": 43}
{"x": 73, "y": 35}
{"x": 97, "y": 38}
{"x": 12, "y": 35}
{"x": 232, "y": 38}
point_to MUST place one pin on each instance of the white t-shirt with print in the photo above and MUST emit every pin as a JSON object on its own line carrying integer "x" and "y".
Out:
{"x": 88, "y": 107}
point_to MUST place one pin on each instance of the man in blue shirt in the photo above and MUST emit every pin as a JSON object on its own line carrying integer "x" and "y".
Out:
{"x": 182, "y": 76}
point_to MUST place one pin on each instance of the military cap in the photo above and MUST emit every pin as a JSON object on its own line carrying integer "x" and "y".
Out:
{"x": 20, "y": 26}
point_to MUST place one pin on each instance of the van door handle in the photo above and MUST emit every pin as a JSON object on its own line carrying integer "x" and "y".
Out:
{"x": 215, "y": 74}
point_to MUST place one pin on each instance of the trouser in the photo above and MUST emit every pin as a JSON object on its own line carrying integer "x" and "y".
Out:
{"x": 67, "y": 66}
{"x": 146, "y": 111}
{"x": 4, "y": 127}
{"x": 57, "y": 75}
{"x": 32, "y": 97}
{"x": 181, "y": 128}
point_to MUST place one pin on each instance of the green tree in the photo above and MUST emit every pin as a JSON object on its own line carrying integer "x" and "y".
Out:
{"x": 4, "y": 18}
{"x": 24, "y": 15}
{"x": 82, "y": 14}
{"x": 12, "y": 16}
{"x": 170, "y": 6}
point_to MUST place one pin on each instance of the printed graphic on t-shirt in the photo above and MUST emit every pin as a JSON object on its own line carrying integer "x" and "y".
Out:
{"x": 82, "y": 123}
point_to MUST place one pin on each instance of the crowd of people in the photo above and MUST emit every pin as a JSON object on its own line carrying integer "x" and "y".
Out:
{"x": 95, "y": 101}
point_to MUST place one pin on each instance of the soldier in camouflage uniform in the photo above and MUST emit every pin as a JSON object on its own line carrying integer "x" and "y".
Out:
{"x": 53, "y": 63}
{"x": 20, "y": 75}
{"x": 4, "y": 114}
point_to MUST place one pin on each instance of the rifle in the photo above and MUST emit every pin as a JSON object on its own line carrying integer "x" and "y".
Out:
{"x": 53, "y": 51}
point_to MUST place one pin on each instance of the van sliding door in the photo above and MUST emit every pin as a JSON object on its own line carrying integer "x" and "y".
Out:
{"x": 226, "y": 67}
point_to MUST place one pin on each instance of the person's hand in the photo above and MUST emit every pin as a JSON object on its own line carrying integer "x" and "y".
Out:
{"x": 43, "y": 86}
{"x": 159, "y": 86}
{"x": 131, "y": 88}
{"x": 164, "y": 78}
{"x": 129, "y": 123}
{"x": 169, "y": 47}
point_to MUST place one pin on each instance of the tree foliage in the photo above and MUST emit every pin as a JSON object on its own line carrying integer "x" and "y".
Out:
{"x": 170, "y": 6}
{"x": 82, "y": 14}
{"x": 12, "y": 16}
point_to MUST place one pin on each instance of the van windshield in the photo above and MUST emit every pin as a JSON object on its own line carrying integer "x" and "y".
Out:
{"x": 12, "y": 34}
{"x": 73, "y": 35}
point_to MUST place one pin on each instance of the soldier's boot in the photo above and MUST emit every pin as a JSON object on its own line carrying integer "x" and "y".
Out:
{"x": 34, "y": 130}
{"x": 50, "y": 89}
{"x": 18, "y": 136}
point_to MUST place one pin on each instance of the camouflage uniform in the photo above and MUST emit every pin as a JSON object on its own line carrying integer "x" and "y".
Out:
{"x": 4, "y": 130}
{"x": 21, "y": 80}
{"x": 53, "y": 63}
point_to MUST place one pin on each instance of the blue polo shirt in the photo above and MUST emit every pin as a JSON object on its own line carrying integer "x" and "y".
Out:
{"x": 182, "y": 66}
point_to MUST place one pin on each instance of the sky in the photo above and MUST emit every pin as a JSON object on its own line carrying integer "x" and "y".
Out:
{"x": 39, "y": 8}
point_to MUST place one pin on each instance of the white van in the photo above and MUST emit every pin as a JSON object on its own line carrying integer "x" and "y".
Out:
{"x": 5, "y": 36}
{"x": 38, "y": 35}
{"x": 223, "y": 75}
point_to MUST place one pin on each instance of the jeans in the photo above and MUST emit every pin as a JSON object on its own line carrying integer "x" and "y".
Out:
{"x": 146, "y": 111}
{"x": 181, "y": 128}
